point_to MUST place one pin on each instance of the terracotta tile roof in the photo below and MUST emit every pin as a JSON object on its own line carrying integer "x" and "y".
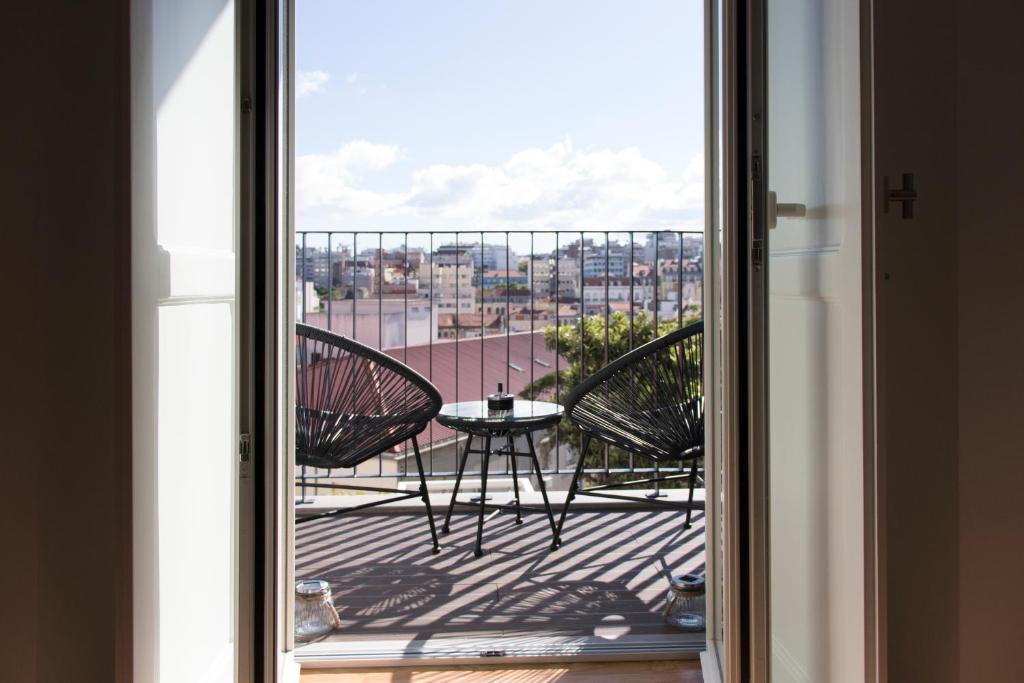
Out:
{"x": 443, "y": 361}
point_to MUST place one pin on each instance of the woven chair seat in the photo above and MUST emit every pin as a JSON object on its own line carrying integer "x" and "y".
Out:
{"x": 650, "y": 401}
{"x": 641, "y": 431}
{"x": 352, "y": 403}
{"x": 342, "y": 440}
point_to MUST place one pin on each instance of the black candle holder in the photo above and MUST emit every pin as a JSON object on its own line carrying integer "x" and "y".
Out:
{"x": 500, "y": 400}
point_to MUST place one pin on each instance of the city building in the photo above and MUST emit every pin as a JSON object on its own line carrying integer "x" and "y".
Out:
{"x": 501, "y": 278}
{"x": 467, "y": 325}
{"x": 380, "y": 323}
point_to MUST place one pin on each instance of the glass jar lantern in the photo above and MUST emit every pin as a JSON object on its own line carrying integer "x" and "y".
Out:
{"x": 315, "y": 615}
{"x": 684, "y": 604}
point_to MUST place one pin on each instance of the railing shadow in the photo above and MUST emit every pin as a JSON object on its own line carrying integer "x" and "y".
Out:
{"x": 387, "y": 584}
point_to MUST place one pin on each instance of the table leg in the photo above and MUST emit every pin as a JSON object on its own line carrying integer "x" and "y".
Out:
{"x": 458, "y": 481}
{"x": 515, "y": 476}
{"x": 485, "y": 459}
{"x": 540, "y": 482}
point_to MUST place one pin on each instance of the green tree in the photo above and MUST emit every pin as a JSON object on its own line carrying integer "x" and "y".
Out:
{"x": 585, "y": 354}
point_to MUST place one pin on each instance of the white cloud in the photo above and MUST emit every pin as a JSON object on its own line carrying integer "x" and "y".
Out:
{"x": 332, "y": 181}
{"x": 309, "y": 82}
{"x": 557, "y": 187}
{"x": 352, "y": 78}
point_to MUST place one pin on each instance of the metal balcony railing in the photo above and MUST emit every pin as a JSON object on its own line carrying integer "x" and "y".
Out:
{"x": 437, "y": 300}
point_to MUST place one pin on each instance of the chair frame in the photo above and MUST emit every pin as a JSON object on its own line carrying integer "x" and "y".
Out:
{"x": 368, "y": 353}
{"x": 593, "y": 382}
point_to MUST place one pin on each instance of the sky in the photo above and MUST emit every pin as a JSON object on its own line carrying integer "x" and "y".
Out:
{"x": 499, "y": 115}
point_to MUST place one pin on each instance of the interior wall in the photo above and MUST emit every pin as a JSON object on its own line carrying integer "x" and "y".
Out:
{"x": 914, "y": 57}
{"x": 949, "y": 94}
{"x": 990, "y": 283}
{"x": 64, "y": 234}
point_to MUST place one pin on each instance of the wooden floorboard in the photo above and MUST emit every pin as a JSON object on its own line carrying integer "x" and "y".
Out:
{"x": 583, "y": 672}
{"x": 608, "y": 578}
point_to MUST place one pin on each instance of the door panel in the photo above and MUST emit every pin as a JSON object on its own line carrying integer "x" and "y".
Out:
{"x": 185, "y": 341}
{"x": 814, "y": 310}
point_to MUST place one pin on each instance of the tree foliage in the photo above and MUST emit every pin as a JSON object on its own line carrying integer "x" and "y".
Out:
{"x": 583, "y": 352}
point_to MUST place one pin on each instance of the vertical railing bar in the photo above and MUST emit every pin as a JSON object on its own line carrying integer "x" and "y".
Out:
{"x": 380, "y": 291}
{"x": 330, "y": 290}
{"x": 508, "y": 339}
{"x": 607, "y": 306}
{"x": 430, "y": 342}
{"x": 330, "y": 282}
{"x": 355, "y": 236}
{"x": 533, "y": 361}
{"x": 679, "y": 284}
{"x": 657, "y": 250}
{"x": 405, "y": 335}
{"x": 508, "y": 320}
{"x": 480, "y": 293}
{"x": 632, "y": 310}
{"x": 303, "y": 268}
{"x": 458, "y": 308}
{"x": 380, "y": 319}
{"x": 631, "y": 295}
{"x": 583, "y": 362}
{"x": 558, "y": 330}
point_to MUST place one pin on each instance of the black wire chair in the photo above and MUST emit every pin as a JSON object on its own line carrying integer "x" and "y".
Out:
{"x": 650, "y": 402}
{"x": 354, "y": 402}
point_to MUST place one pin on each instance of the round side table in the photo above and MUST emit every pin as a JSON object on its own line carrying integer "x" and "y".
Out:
{"x": 475, "y": 419}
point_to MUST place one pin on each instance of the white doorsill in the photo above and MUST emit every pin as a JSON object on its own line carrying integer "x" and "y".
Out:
{"x": 490, "y": 650}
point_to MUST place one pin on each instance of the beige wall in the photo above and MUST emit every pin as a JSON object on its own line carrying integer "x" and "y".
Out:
{"x": 990, "y": 250}
{"x": 64, "y": 394}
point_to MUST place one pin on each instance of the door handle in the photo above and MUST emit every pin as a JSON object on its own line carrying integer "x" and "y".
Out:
{"x": 778, "y": 210}
{"x": 905, "y": 195}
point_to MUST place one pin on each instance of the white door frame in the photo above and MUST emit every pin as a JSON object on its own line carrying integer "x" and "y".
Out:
{"x": 267, "y": 258}
{"x": 722, "y": 89}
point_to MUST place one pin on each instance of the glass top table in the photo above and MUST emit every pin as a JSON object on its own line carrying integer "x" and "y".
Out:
{"x": 493, "y": 427}
{"x": 476, "y": 417}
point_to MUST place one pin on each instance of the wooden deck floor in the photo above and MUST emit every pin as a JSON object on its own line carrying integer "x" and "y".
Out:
{"x": 608, "y": 579}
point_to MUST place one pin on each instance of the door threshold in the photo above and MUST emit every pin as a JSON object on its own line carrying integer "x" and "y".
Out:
{"x": 497, "y": 650}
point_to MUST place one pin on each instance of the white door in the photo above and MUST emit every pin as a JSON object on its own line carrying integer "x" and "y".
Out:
{"x": 815, "y": 464}
{"x": 185, "y": 341}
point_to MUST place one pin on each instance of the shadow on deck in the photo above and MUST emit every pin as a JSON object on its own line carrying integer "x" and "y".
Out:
{"x": 608, "y": 579}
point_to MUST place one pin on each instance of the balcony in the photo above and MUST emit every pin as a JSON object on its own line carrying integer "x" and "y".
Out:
{"x": 468, "y": 311}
